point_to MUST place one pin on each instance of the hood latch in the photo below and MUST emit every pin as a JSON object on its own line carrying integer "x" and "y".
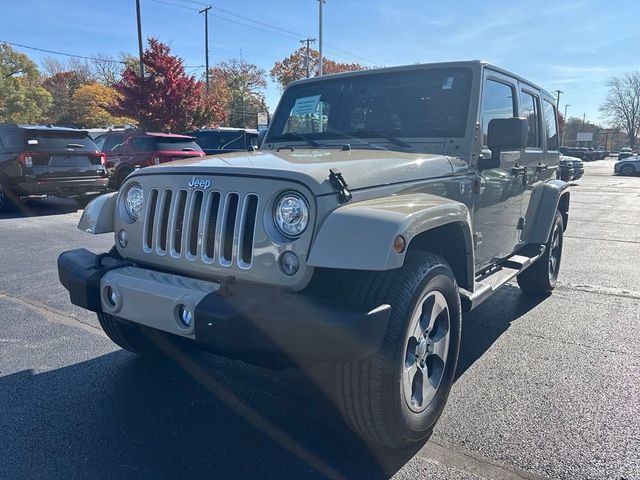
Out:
{"x": 338, "y": 182}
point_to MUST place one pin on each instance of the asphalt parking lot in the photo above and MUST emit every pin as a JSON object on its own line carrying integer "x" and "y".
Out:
{"x": 547, "y": 388}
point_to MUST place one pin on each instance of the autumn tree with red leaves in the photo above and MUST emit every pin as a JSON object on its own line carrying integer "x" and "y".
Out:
{"x": 294, "y": 67}
{"x": 166, "y": 99}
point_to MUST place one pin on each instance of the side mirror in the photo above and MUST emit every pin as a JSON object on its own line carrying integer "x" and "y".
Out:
{"x": 504, "y": 134}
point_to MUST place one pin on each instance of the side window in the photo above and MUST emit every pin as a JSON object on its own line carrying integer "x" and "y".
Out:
{"x": 497, "y": 102}
{"x": 113, "y": 143}
{"x": 551, "y": 121}
{"x": 143, "y": 144}
{"x": 100, "y": 141}
{"x": 531, "y": 111}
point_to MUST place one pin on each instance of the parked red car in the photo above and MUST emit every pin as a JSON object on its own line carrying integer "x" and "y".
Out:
{"x": 130, "y": 149}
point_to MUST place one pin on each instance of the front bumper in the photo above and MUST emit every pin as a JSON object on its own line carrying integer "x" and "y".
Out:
{"x": 239, "y": 320}
{"x": 62, "y": 186}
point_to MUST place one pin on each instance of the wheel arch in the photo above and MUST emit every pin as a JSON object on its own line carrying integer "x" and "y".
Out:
{"x": 546, "y": 199}
{"x": 360, "y": 236}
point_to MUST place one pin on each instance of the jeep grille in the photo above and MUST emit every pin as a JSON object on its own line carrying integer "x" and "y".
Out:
{"x": 210, "y": 227}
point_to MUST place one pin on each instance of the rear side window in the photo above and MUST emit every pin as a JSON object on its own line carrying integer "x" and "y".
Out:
{"x": 38, "y": 141}
{"x": 143, "y": 144}
{"x": 221, "y": 140}
{"x": 551, "y": 122}
{"x": 531, "y": 111}
{"x": 177, "y": 143}
{"x": 114, "y": 142}
{"x": 100, "y": 141}
{"x": 497, "y": 102}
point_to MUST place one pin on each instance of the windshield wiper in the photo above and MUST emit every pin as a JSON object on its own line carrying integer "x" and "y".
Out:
{"x": 297, "y": 136}
{"x": 392, "y": 139}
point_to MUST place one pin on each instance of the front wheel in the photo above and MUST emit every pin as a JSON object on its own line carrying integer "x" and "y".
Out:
{"x": 396, "y": 397}
{"x": 627, "y": 170}
{"x": 541, "y": 277}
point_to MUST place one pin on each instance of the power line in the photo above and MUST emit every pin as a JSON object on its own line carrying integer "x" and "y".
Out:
{"x": 61, "y": 53}
{"x": 175, "y": 5}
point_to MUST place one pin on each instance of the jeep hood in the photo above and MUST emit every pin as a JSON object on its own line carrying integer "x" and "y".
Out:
{"x": 360, "y": 168}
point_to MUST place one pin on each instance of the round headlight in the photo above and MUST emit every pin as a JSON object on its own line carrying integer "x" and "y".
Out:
{"x": 291, "y": 214}
{"x": 134, "y": 201}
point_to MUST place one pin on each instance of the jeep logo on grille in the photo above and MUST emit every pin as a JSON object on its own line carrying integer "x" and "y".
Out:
{"x": 199, "y": 183}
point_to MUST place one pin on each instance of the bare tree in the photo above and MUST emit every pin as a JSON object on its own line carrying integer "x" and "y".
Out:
{"x": 107, "y": 70}
{"x": 622, "y": 105}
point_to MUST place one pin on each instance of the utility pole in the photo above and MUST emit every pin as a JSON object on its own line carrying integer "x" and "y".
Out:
{"x": 206, "y": 45}
{"x": 320, "y": 66}
{"x": 558, "y": 92}
{"x": 567, "y": 105}
{"x": 307, "y": 57}
{"x": 139, "y": 38}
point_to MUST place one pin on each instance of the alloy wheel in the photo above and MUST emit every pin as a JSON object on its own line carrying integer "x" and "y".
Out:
{"x": 555, "y": 253}
{"x": 426, "y": 351}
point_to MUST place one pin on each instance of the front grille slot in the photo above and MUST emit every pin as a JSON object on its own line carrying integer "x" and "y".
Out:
{"x": 248, "y": 229}
{"x": 194, "y": 220}
{"x": 178, "y": 224}
{"x": 228, "y": 233}
{"x": 211, "y": 225}
{"x": 150, "y": 220}
{"x": 213, "y": 228}
{"x": 164, "y": 220}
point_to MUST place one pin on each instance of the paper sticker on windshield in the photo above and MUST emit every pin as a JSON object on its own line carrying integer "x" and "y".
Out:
{"x": 305, "y": 106}
{"x": 447, "y": 84}
{"x": 32, "y": 142}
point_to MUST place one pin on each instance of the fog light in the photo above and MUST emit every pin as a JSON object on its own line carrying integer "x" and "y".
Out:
{"x": 123, "y": 238}
{"x": 289, "y": 263}
{"x": 185, "y": 316}
{"x": 111, "y": 296}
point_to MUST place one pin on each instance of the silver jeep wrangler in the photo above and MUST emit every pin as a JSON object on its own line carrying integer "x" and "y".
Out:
{"x": 382, "y": 205}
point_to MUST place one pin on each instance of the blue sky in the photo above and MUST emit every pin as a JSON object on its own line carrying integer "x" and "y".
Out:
{"x": 571, "y": 45}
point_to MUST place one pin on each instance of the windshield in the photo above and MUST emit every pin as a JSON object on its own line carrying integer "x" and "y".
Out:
{"x": 426, "y": 103}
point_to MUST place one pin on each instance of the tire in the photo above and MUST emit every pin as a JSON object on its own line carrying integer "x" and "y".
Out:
{"x": 121, "y": 176}
{"x": 8, "y": 201}
{"x": 372, "y": 394}
{"x": 83, "y": 200}
{"x": 627, "y": 170}
{"x": 541, "y": 277}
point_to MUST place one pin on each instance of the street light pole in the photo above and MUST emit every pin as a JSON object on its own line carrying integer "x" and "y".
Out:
{"x": 320, "y": 67}
{"x": 567, "y": 105}
{"x": 206, "y": 45}
{"x": 139, "y": 38}
{"x": 558, "y": 92}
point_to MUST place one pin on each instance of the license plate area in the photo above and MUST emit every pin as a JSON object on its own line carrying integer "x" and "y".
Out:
{"x": 63, "y": 161}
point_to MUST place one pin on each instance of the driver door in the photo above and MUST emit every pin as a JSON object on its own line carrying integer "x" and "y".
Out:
{"x": 498, "y": 202}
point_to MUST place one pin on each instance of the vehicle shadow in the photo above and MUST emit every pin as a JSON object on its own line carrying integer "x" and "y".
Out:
{"x": 41, "y": 207}
{"x": 198, "y": 416}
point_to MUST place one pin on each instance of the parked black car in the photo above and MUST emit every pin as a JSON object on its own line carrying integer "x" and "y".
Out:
{"x": 48, "y": 160}
{"x": 214, "y": 141}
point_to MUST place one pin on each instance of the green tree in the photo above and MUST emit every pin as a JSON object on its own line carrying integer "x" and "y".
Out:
{"x": 90, "y": 106}
{"x": 241, "y": 85}
{"x": 22, "y": 98}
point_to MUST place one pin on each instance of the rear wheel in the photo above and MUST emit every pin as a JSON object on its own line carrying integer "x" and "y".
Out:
{"x": 627, "y": 170}
{"x": 396, "y": 397}
{"x": 8, "y": 201}
{"x": 541, "y": 277}
{"x": 121, "y": 176}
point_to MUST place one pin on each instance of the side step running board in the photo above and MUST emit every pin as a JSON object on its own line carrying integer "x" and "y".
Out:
{"x": 489, "y": 282}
